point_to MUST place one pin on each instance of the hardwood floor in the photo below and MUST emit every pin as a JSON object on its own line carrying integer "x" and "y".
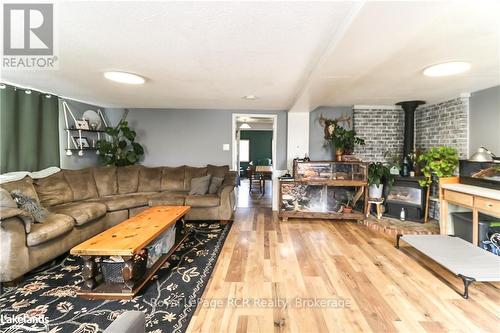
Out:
{"x": 375, "y": 287}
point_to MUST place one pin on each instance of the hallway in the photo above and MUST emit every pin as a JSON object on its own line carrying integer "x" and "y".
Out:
{"x": 255, "y": 198}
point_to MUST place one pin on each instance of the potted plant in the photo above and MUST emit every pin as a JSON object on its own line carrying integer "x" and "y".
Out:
{"x": 378, "y": 173}
{"x": 342, "y": 140}
{"x": 347, "y": 207}
{"x": 438, "y": 161}
{"x": 121, "y": 149}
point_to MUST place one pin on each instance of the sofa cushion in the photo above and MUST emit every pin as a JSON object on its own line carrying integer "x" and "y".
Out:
{"x": 82, "y": 183}
{"x": 175, "y": 198}
{"x": 149, "y": 180}
{"x": 105, "y": 180}
{"x": 199, "y": 186}
{"x": 54, "y": 226}
{"x": 172, "y": 179}
{"x": 208, "y": 200}
{"x": 192, "y": 172}
{"x": 24, "y": 185}
{"x": 53, "y": 190}
{"x": 126, "y": 201}
{"x": 217, "y": 171}
{"x": 128, "y": 178}
{"x": 215, "y": 184}
{"x": 81, "y": 212}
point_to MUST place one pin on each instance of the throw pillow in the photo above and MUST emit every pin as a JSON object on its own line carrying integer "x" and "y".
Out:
{"x": 199, "y": 186}
{"x": 215, "y": 183}
{"x": 6, "y": 200}
{"x": 30, "y": 205}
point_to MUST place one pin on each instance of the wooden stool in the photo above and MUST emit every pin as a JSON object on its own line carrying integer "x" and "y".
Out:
{"x": 378, "y": 202}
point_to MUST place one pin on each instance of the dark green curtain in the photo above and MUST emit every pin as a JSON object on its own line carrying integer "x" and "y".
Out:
{"x": 29, "y": 130}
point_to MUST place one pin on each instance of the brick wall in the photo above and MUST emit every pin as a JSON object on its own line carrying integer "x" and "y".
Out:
{"x": 382, "y": 129}
{"x": 443, "y": 124}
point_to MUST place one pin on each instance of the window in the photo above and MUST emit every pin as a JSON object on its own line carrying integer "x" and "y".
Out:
{"x": 244, "y": 150}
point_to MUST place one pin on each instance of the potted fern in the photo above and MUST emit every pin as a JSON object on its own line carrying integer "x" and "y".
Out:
{"x": 378, "y": 173}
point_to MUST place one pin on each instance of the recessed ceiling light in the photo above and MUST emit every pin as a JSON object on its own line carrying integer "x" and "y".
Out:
{"x": 250, "y": 97}
{"x": 124, "y": 77}
{"x": 447, "y": 68}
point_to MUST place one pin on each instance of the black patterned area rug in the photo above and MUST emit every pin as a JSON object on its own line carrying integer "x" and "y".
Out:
{"x": 168, "y": 301}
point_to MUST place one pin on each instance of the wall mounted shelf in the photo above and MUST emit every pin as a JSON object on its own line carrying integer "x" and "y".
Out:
{"x": 84, "y": 130}
{"x": 72, "y": 144}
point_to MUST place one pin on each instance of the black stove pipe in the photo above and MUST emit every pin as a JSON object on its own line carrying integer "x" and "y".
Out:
{"x": 409, "y": 108}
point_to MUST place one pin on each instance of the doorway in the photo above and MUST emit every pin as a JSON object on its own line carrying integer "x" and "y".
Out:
{"x": 254, "y": 156}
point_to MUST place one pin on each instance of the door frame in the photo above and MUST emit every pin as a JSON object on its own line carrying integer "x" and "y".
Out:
{"x": 235, "y": 136}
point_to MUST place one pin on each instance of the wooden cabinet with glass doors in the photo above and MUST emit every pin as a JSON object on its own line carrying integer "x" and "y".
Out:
{"x": 323, "y": 190}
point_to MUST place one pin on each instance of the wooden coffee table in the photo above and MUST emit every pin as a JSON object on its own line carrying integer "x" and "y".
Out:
{"x": 127, "y": 239}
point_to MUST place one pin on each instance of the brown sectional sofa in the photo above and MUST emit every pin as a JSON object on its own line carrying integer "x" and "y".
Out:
{"x": 86, "y": 202}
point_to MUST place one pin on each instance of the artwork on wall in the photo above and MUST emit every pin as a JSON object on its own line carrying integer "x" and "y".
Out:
{"x": 82, "y": 142}
{"x": 344, "y": 120}
{"x": 81, "y": 124}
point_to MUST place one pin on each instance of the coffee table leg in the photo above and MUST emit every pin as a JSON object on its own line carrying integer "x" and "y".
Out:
{"x": 128, "y": 273}
{"x": 89, "y": 272}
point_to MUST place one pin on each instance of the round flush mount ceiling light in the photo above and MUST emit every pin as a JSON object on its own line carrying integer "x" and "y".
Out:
{"x": 250, "y": 97}
{"x": 447, "y": 68}
{"x": 124, "y": 77}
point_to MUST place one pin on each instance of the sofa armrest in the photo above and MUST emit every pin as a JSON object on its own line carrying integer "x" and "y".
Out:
{"x": 231, "y": 178}
{"x": 128, "y": 322}
{"x": 7, "y": 213}
{"x": 14, "y": 258}
{"x": 227, "y": 195}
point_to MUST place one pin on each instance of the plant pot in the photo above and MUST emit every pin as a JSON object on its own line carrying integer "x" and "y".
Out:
{"x": 347, "y": 209}
{"x": 375, "y": 191}
{"x": 338, "y": 154}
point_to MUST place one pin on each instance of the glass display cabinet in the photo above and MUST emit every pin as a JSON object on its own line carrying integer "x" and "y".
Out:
{"x": 323, "y": 190}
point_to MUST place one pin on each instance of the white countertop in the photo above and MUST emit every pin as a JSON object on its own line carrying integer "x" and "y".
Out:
{"x": 474, "y": 190}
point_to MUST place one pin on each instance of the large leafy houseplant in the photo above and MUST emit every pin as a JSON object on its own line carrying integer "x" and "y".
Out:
{"x": 341, "y": 139}
{"x": 121, "y": 149}
{"x": 378, "y": 173}
{"x": 439, "y": 161}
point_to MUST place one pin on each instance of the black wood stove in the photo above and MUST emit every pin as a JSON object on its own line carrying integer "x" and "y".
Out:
{"x": 405, "y": 194}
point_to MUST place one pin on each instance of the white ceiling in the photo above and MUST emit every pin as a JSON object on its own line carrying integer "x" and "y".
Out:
{"x": 292, "y": 55}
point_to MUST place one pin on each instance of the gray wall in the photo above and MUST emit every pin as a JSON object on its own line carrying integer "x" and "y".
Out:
{"x": 173, "y": 137}
{"x": 89, "y": 158}
{"x": 317, "y": 150}
{"x": 484, "y": 120}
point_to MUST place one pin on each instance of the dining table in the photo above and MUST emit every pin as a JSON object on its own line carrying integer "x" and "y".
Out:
{"x": 266, "y": 172}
